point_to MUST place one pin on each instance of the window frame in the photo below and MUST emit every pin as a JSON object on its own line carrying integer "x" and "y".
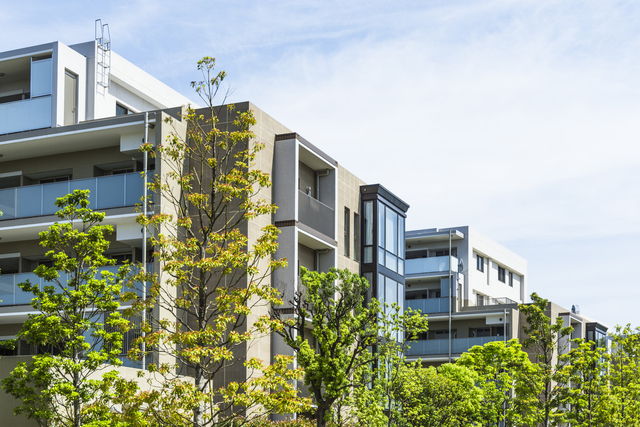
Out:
{"x": 502, "y": 274}
{"x": 480, "y": 263}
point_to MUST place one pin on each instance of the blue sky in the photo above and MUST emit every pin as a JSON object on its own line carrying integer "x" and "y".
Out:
{"x": 519, "y": 118}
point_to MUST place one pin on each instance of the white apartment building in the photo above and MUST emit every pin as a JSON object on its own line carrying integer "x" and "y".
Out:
{"x": 488, "y": 281}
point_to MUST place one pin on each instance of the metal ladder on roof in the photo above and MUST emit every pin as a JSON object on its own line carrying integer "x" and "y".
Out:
{"x": 103, "y": 64}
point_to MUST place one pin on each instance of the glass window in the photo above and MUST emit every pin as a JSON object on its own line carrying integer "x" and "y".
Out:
{"x": 380, "y": 293}
{"x": 368, "y": 223}
{"x": 391, "y": 229}
{"x": 511, "y": 279}
{"x": 501, "y": 274}
{"x": 381, "y": 224}
{"x": 391, "y": 294}
{"x": 347, "y": 233}
{"x": 356, "y": 236}
{"x": 391, "y": 262}
{"x": 368, "y": 255}
{"x": 480, "y": 263}
{"x": 121, "y": 111}
{"x": 400, "y": 236}
{"x": 381, "y": 256}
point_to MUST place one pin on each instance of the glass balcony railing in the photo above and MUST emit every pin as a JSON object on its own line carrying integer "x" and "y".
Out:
{"x": 441, "y": 346}
{"x": 316, "y": 214}
{"x": 431, "y": 305}
{"x": 430, "y": 265}
{"x": 105, "y": 192}
{"x": 27, "y": 114}
{"x": 11, "y": 294}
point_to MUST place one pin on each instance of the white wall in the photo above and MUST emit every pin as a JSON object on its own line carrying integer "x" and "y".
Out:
{"x": 68, "y": 59}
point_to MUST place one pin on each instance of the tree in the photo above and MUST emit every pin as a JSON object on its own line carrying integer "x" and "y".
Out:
{"x": 352, "y": 339}
{"x": 443, "y": 397}
{"x": 545, "y": 341}
{"x": 204, "y": 306}
{"x": 587, "y": 398}
{"x": 503, "y": 370}
{"x": 625, "y": 375}
{"x": 78, "y": 329}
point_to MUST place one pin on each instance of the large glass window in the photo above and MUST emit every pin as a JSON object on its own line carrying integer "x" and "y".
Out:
{"x": 368, "y": 232}
{"x": 390, "y": 239}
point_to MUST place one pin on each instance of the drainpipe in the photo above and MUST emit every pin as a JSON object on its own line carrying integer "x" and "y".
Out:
{"x": 144, "y": 233}
{"x": 504, "y": 325}
{"x": 318, "y": 176}
{"x": 450, "y": 297}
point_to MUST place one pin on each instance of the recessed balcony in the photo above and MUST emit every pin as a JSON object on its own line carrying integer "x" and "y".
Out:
{"x": 105, "y": 192}
{"x": 316, "y": 215}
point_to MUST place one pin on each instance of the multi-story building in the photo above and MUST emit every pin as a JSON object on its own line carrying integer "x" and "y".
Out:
{"x": 468, "y": 285}
{"x": 70, "y": 118}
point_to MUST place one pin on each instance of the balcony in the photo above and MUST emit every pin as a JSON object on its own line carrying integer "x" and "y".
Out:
{"x": 27, "y": 114}
{"x": 431, "y": 305}
{"x": 11, "y": 294}
{"x": 316, "y": 215}
{"x": 105, "y": 192}
{"x": 429, "y": 266}
{"x": 441, "y": 346}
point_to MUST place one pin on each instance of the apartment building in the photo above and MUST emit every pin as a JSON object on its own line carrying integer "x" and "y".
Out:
{"x": 71, "y": 117}
{"x": 468, "y": 285}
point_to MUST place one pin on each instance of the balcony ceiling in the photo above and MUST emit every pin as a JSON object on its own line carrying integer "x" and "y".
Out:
{"x": 67, "y": 139}
{"x": 435, "y": 236}
{"x": 30, "y": 231}
{"x": 15, "y": 69}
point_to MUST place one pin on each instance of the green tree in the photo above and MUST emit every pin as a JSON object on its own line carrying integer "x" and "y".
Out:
{"x": 205, "y": 305}
{"x": 503, "y": 371}
{"x": 587, "y": 398}
{"x": 545, "y": 341}
{"x": 625, "y": 376}
{"x": 444, "y": 397}
{"x": 353, "y": 341}
{"x": 77, "y": 327}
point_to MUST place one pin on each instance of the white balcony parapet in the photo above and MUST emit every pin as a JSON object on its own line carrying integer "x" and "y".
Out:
{"x": 27, "y": 114}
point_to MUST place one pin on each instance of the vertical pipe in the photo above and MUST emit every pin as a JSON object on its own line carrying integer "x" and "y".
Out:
{"x": 450, "y": 297}
{"x": 144, "y": 234}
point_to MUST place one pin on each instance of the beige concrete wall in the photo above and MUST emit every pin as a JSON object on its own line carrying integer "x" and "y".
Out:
{"x": 348, "y": 197}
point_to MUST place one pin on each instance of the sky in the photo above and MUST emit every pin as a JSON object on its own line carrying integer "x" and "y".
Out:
{"x": 519, "y": 118}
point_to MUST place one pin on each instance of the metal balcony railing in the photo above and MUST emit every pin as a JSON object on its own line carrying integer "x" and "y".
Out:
{"x": 11, "y": 294}
{"x": 105, "y": 192}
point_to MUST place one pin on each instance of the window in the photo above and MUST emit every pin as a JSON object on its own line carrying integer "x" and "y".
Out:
{"x": 480, "y": 263}
{"x": 511, "y": 279}
{"x": 347, "y": 231}
{"x": 501, "y": 274}
{"x": 368, "y": 232}
{"x": 121, "y": 110}
{"x": 356, "y": 237}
